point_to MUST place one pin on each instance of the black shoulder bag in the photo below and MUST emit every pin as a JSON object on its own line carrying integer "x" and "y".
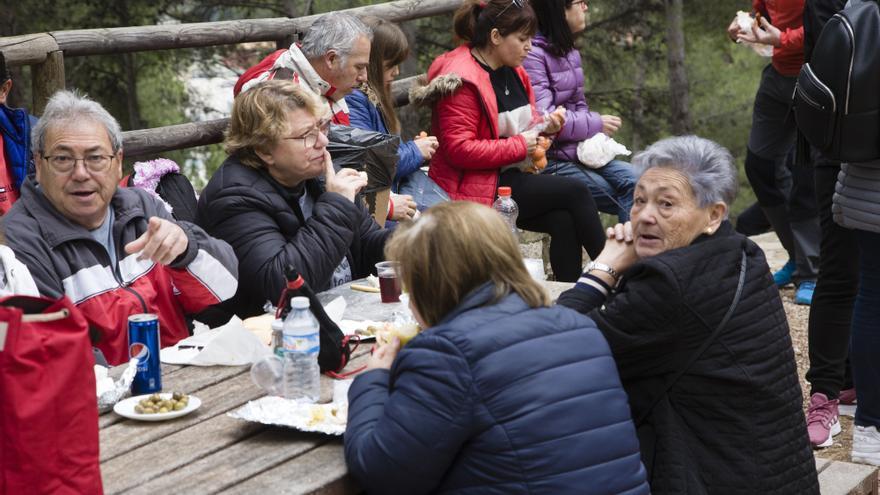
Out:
{"x": 645, "y": 431}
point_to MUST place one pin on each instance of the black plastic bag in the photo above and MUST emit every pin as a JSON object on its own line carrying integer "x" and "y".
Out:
{"x": 363, "y": 150}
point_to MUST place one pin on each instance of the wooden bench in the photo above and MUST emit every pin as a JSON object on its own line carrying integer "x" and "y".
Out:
{"x": 846, "y": 478}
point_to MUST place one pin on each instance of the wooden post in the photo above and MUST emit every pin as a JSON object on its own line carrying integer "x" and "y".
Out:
{"x": 47, "y": 78}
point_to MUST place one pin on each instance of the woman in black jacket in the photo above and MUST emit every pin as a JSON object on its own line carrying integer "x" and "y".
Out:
{"x": 699, "y": 333}
{"x": 266, "y": 200}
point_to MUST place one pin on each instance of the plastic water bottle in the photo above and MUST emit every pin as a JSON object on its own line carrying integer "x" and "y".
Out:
{"x": 302, "y": 342}
{"x": 506, "y": 206}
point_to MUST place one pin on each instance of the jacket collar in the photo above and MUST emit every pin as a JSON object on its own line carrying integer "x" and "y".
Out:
{"x": 476, "y": 298}
{"x": 57, "y": 229}
{"x": 461, "y": 62}
{"x": 724, "y": 230}
{"x": 297, "y": 61}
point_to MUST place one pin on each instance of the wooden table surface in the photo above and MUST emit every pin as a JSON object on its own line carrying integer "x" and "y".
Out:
{"x": 206, "y": 451}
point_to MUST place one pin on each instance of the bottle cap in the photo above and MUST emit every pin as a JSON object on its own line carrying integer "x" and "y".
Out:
{"x": 504, "y": 191}
{"x": 300, "y": 302}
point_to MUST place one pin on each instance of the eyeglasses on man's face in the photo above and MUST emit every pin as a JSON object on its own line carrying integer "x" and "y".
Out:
{"x": 64, "y": 164}
{"x": 310, "y": 139}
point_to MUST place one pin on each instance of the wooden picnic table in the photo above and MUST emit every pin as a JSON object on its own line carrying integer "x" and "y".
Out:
{"x": 207, "y": 451}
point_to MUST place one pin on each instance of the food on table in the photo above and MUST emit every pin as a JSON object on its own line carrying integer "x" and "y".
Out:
{"x": 328, "y": 413}
{"x": 405, "y": 333}
{"x": 155, "y": 403}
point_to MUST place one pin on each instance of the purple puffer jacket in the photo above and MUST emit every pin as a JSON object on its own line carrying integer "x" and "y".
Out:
{"x": 559, "y": 81}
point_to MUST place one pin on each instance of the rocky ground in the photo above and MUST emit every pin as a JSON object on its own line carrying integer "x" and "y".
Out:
{"x": 797, "y": 319}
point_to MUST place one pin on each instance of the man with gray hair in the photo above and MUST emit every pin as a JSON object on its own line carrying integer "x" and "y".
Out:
{"x": 113, "y": 251}
{"x": 331, "y": 61}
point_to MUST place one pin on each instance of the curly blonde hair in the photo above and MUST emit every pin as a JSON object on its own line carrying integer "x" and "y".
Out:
{"x": 259, "y": 118}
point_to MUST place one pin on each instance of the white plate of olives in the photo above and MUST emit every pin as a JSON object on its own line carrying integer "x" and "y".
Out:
{"x": 157, "y": 407}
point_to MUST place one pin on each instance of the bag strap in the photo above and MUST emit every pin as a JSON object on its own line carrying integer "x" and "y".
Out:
{"x": 47, "y": 317}
{"x": 704, "y": 346}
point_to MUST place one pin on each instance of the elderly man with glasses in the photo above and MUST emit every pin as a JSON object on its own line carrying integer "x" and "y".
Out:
{"x": 114, "y": 252}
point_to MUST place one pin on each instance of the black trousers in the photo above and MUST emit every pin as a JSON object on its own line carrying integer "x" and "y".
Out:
{"x": 836, "y": 286}
{"x": 562, "y": 207}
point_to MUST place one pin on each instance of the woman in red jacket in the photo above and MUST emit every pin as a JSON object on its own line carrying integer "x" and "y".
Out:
{"x": 483, "y": 116}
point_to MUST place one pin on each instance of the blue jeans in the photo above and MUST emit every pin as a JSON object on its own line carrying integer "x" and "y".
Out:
{"x": 425, "y": 192}
{"x": 865, "y": 337}
{"x": 612, "y": 186}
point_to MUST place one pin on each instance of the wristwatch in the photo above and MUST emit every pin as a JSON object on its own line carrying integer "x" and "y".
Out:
{"x": 593, "y": 265}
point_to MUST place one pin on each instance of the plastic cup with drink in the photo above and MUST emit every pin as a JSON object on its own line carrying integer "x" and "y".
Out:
{"x": 389, "y": 283}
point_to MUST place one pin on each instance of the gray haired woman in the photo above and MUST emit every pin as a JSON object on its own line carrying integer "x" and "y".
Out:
{"x": 698, "y": 332}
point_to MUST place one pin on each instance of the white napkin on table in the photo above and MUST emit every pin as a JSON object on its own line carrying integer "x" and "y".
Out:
{"x": 228, "y": 345}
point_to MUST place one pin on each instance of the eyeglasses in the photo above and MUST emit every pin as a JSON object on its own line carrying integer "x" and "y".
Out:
{"x": 311, "y": 138}
{"x": 519, "y": 4}
{"x": 64, "y": 164}
{"x": 583, "y": 3}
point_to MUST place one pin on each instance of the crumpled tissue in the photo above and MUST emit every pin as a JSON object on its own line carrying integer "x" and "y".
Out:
{"x": 600, "y": 149}
{"x": 228, "y": 345}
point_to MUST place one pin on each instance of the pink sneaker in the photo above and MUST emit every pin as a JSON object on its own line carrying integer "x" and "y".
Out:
{"x": 822, "y": 422}
{"x": 847, "y": 397}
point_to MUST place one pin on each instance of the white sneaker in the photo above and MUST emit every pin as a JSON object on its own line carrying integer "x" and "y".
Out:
{"x": 866, "y": 445}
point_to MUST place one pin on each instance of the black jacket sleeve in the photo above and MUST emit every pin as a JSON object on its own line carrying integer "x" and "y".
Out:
{"x": 638, "y": 321}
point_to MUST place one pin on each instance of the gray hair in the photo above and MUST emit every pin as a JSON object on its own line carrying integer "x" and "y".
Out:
{"x": 337, "y": 32}
{"x": 708, "y": 166}
{"x": 69, "y": 108}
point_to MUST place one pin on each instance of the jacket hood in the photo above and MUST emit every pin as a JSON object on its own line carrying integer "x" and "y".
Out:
{"x": 424, "y": 93}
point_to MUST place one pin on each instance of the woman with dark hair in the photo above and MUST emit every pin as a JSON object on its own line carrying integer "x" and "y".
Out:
{"x": 554, "y": 66}
{"x": 373, "y": 109}
{"x": 501, "y": 393}
{"x": 485, "y": 119}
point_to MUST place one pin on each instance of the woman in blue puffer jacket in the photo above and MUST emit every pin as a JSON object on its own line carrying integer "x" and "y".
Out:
{"x": 500, "y": 393}
{"x": 554, "y": 67}
{"x": 373, "y": 109}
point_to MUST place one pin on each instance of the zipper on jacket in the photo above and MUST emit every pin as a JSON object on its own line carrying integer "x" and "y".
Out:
{"x": 114, "y": 267}
{"x": 852, "y": 58}
{"x": 815, "y": 80}
{"x": 803, "y": 94}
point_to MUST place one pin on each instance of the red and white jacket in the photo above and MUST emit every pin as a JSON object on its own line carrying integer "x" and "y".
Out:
{"x": 65, "y": 260}
{"x": 291, "y": 64}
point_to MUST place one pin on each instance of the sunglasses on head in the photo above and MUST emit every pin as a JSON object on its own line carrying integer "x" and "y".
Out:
{"x": 518, "y": 3}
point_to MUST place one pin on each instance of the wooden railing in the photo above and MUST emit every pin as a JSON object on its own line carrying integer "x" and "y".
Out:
{"x": 45, "y": 53}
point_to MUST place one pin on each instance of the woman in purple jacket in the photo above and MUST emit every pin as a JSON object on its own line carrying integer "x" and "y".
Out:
{"x": 554, "y": 67}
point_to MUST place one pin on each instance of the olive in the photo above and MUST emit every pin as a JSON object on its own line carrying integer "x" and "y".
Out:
{"x": 139, "y": 409}
{"x": 179, "y": 406}
{"x": 163, "y": 409}
{"x": 178, "y": 395}
{"x": 149, "y": 410}
{"x": 155, "y": 398}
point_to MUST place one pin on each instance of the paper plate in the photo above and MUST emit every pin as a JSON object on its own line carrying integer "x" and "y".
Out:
{"x": 125, "y": 408}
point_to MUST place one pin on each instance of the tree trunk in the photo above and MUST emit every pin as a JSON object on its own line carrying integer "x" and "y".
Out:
{"x": 638, "y": 104}
{"x": 409, "y": 116}
{"x": 675, "y": 57}
{"x": 131, "y": 83}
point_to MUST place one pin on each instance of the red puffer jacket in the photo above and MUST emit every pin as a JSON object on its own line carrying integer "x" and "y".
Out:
{"x": 465, "y": 121}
